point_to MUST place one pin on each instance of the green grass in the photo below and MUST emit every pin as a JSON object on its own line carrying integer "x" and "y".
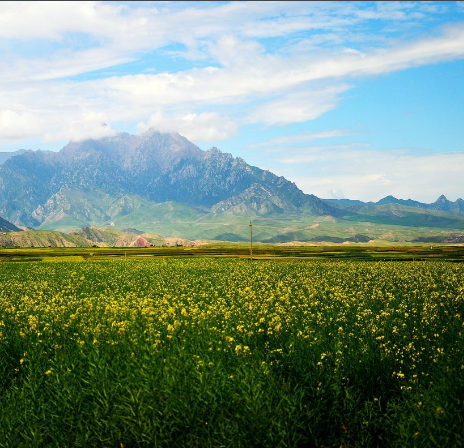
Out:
{"x": 223, "y": 352}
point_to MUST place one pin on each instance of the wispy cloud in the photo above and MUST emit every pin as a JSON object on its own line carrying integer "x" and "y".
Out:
{"x": 300, "y": 138}
{"x": 324, "y": 153}
{"x": 296, "y": 107}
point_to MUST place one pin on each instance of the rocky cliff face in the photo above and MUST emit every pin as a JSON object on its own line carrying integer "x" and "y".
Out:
{"x": 83, "y": 181}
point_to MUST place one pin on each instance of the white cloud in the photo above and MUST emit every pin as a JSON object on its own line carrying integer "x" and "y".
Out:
{"x": 297, "y": 107}
{"x": 17, "y": 126}
{"x": 87, "y": 125}
{"x": 230, "y": 51}
{"x": 48, "y": 19}
{"x": 205, "y": 127}
{"x": 60, "y": 65}
{"x": 113, "y": 34}
{"x": 253, "y": 75}
{"x": 247, "y": 75}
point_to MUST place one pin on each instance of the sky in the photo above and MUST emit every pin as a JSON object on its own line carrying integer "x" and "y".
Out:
{"x": 355, "y": 100}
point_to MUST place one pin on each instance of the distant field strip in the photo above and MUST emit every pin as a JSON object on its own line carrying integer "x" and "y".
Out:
{"x": 402, "y": 252}
{"x": 217, "y": 352}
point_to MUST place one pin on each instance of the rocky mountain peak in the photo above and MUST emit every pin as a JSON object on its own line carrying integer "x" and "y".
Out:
{"x": 154, "y": 166}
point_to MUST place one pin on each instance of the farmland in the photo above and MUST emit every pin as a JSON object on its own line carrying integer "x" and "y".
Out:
{"x": 117, "y": 350}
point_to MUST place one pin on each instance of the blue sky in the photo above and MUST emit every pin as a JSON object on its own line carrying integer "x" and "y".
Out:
{"x": 347, "y": 99}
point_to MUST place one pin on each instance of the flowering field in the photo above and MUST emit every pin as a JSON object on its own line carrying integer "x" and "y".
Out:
{"x": 230, "y": 353}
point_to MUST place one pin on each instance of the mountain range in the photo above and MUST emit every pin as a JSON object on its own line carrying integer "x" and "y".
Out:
{"x": 162, "y": 183}
{"x": 442, "y": 203}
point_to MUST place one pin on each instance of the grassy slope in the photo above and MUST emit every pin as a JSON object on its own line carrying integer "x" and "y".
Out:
{"x": 110, "y": 236}
{"x": 391, "y": 222}
{"x": 85, "y": 237}
{"x": 42, "y": 238}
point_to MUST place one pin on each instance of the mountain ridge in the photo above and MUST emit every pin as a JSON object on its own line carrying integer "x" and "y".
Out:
{"x": 442, "y": 203}
{"x": 156, "y": 167}
{"x": 162, "y": 183}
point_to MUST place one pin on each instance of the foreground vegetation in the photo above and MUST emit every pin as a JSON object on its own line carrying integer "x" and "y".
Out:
{"x": 216, "y": 352}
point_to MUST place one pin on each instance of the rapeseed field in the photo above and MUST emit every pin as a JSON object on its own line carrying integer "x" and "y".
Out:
{"x": 231, "y": 353}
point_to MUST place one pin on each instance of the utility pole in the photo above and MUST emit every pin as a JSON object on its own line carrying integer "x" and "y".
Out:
{"x": 251, "y": 241}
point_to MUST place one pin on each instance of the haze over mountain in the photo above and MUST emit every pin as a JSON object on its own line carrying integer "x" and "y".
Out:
{"x": 163, "y": 183}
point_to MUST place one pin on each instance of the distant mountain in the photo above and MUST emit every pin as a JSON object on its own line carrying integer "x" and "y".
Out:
{"x": 84, "y": 182}
{"x": 442, "y": 203}
{"x": 162, "y": 184}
